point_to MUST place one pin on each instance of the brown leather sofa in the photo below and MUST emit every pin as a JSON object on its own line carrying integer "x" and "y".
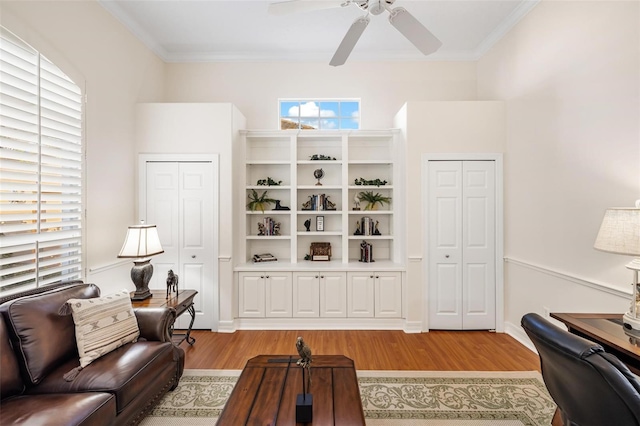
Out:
{"x": 37, "y": 347}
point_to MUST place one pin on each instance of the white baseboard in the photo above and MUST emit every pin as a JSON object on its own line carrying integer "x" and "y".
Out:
{"x": 413, "y": 327}
{"x": 519, "y": 334}
{"x": 319, "y": 324}
{"x": 226, "y": 326}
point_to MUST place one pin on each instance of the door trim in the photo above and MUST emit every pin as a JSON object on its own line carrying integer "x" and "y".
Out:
{"x": 141, "y": 209}
{"x": 497, "y": 158}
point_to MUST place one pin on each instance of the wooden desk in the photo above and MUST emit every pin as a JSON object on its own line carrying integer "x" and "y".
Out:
{"x": 266, "y": 392}
{"x": 181, "y": 303}
{"x": 607, "y": 330}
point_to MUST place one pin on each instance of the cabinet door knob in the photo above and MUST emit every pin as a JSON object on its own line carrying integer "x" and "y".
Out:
{"x": 446, "y": 255}
{"x": 193, "y": 256}
{"x": 316, "y": 276}
{"x": 261, "y": 276}
{"x": 267, "y": 276}
{"x": 370, "y": 276}
{"x": 321, "y": 276}
{"x": 377, "y": 276}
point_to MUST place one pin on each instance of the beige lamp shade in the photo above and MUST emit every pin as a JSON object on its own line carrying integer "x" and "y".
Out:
{"x": 141, "y": 241}
{"x": 620, "y": 231}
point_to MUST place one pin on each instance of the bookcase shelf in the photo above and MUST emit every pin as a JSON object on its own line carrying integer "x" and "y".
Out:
{"x": 286, "y": 156}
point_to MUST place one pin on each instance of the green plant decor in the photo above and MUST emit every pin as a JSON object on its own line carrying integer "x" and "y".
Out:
{"x": 373, "y": 199}
{"x": 259, "y": 202}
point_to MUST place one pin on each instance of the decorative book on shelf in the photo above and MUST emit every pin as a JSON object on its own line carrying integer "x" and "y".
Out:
{"x": 367, "y": 226}
{"x": 366, "y": 252}
{"x": 268, "y": 227}
{"x": 264, "y": 257}
{"x": 320, "y": 251}
{"x": 318, "y": 202}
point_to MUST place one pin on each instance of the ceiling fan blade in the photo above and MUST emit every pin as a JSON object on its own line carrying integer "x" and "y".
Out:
{"x": 414, "y": 31}
{"x": 297, "y": 6}
{"x": 349, "y": 41}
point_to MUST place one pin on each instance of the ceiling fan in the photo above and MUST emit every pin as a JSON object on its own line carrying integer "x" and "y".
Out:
{"x": 402, "y": 20}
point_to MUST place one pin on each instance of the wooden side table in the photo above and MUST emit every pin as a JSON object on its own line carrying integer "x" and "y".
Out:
{"x": 181, "y": 302}
{"x": 606, "y": 330}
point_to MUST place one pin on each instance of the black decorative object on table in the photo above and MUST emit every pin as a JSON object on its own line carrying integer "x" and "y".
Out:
{"x": 304, "y": 401}
{"x": 172, "y": 283}
{"x": 307, "y": 224}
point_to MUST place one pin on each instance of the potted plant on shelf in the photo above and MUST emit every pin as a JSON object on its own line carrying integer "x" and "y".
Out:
{"x": 373, "y": 200}
{"x": 259, "y": 202}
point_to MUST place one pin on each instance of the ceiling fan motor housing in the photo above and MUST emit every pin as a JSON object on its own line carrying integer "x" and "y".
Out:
{"x": 375, "y": 7}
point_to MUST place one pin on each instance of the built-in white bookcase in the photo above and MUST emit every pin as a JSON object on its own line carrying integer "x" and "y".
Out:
{"x": 288, "y": 157}
{"x": 331, "y": 290}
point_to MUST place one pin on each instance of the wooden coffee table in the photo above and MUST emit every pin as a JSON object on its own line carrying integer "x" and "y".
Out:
{"x": 266, "y": 391}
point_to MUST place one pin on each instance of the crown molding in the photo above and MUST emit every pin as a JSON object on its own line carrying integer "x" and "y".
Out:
{"x": 505, "y": 26}
{"x": 304, "y": 56}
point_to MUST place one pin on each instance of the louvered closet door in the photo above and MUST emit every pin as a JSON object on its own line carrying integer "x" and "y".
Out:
{"x": 462, "y": 277}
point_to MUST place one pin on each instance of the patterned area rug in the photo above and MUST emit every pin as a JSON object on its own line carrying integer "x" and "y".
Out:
{"x": 389, "y": 398}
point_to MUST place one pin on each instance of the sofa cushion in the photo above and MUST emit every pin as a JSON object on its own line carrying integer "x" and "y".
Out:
{"x": 91, "y": 408}
{"x": 10, "y": 380}
{"x": 126, "y": 372}
{"x": 103, "y": 324}
{"x": 41, "y": 337}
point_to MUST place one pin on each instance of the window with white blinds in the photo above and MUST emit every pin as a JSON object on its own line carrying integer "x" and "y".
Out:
{"x": 40, "y": 169}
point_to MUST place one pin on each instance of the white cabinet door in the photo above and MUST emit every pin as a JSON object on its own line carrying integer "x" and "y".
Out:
{"x": 306, "y": 293}
{"x": 333, "y": 295}
{"x": 251, "y": 295}
{"x": 360, "y": 295}
{"x": 278, "y": 297}
{"x": 388, "y": 295}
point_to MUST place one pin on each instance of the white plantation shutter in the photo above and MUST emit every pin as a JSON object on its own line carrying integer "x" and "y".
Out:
{"x": 40, "y": 169}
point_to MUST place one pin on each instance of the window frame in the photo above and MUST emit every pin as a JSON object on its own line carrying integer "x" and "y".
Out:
{"x": 299, "y": 119}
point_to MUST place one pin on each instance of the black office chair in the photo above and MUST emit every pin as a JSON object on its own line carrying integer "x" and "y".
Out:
{"x": 590, "y": 387}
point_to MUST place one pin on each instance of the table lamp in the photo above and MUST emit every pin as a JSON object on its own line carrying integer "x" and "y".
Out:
{"x": 620, "y": 233}
{"x": 141, "y": 242}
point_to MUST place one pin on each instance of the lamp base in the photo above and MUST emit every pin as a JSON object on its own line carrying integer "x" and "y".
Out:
{"x": 141, "y": 274}
{"x": 630, "y": 323}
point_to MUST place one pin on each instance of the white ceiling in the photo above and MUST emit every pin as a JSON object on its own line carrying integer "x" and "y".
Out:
{"x": 242, "y": 30}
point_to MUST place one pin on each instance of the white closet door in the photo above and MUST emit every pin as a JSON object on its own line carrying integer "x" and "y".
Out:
{"x": 179, "y": 200}
{"x": 462, "y": 279}
{"x": 478, "y": 245}
{"x": 445, "y": 245}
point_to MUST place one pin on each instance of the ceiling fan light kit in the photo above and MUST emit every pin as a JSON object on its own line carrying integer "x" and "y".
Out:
{"x": 399, "y": 17}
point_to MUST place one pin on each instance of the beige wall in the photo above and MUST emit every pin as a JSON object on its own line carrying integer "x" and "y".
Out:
{"x": 383, "y": 87}
{"x": 569, "y": 73}
{"x": 465, "y": 127}
{"x": 116, "y": 71}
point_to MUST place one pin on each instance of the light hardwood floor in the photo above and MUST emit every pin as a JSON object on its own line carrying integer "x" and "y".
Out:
{"x": 370, "y": 350}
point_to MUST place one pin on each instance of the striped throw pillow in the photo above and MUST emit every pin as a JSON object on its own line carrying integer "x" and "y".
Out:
{"x": 102, "y": 325}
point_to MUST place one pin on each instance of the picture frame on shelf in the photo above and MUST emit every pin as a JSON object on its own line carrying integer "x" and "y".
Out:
{"x": 320, "y": 223}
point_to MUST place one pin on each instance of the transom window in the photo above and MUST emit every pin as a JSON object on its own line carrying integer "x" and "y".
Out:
{"x": 329, "y": 114}
{"x": 40, "y": 169}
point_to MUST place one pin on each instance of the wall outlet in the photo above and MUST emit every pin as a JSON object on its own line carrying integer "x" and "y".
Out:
{"x": 546, "y": 312}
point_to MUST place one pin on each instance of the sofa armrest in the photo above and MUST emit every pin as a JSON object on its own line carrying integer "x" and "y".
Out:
{"x": 155, "y": 324}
